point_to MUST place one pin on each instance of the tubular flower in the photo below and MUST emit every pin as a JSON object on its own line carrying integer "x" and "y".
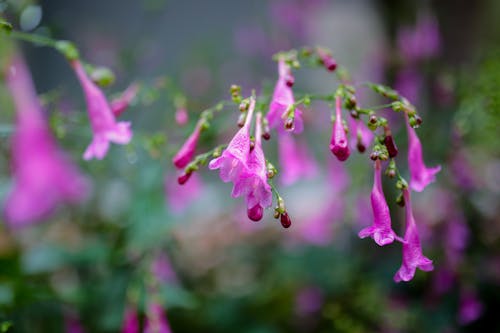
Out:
{"x": 234, "y": 160}
{"x": 295, "y": 160}
{"x": 120, "y": 104}
{"x": 130, "y": 322}
{"x": 102, "y": 119}
{"x": 412, "y": 251}
{"x": 381, "y": 230}
{"x": 253, "y": 181}
{"x": 186, "y": 153}
{"x": 338, "y": 144}
{"x": 280, "y": 113}
{"x": 43, "y": 175}
{"x": 156, "y": 321}
{"x": 361, "y": 136}
{"x": 420, "y": 175}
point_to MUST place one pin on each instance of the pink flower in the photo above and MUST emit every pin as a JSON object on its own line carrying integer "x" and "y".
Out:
{"x": 186, "y": 153}
{"x": 181, "y": 116}
{"x": 72, "y": 323}
{"x": 412, "y": 251}
{"x": 281, "y": 102}
{"x": 130, "y": 322}
{"x": 162, "y": 269}
{"x": 361, "y": 135}
{"x": 44, "y": 177}
{"x": 120, "y": 104}
{"x": 253, "y": 181}
{"x": 156, "y": 321}
{"x": 295, "y": 160}
{"x": 381, "y": 230}
{"x": 179, "y": 197}
{"x": 102, "y": 119}
{"x": 421, "y": 176}
{"x": 234, "y": 160}
{"x": 338, "y": 144}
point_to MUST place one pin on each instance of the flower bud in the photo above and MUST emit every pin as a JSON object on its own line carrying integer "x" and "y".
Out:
{"x": 285, "y": 220}
{"x": 255, "y": 213}
{"x": 391, "y": 146}
{"x": 184, "y": 177}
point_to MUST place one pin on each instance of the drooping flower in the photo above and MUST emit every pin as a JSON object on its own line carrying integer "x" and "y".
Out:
{"x": 412, "y": 250}
{"x": 162, "y": 269}
{"x": 283, "y": 101}
{"x": 234, "y": 159}
{"x": 130, "y": 323}
{"x": 295, "y": 160}
{"x": 409, "y": 83}
{"x": 102, "y": 119}
{"x": 361, "y": 136}
{"x": 420, "y": 42}
{"x": 156, "y": 321}
{"x": 420, "y": 175}
{"x": 381, "y": 230}
{"x": 44, "y": 177}
{"x": 121, "y": 103}
{"x": 338, "y": 144}
{"x": 252, "y": 181}
{"x": 186, "y": 153}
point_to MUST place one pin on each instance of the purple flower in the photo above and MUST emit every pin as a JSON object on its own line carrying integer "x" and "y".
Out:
{"x": 130, "y": 322}
{"x": 412, "y": 251}
{"x": 120, "y": 104}
{"x": 156, "y": 321}
{"x": 43, "y": 175}
{"x": 252, "y": 182}
{"x": 408, "y": 83}
{"x": 338, "y": 144}
{"x": 421, "y": 176}
{"x": 234, "y": 160}
{"x": 470, "y": 308}
{"x": 102, "y": 119}
{"x": 162, "y": 270}
{"x": 186, "y": 153}
{"x": 295, "y": 160}
{"x": 381, "y": 230}
{"x": 282, "y": 101}
{"x": 420, "y": 42}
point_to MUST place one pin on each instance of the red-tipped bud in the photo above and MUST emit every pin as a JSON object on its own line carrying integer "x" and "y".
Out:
{"x": 289, "y": 80}
{"x": 289, "y": 124}
{"x": 255, "y": 213}
{"x": 266, "y": 135}
{"x": 182, "y": 179}
{"x": 361, "y": 147}
{"x": 285, "y": 220}
{"x": 241, "y": 119}
{"x": 391, "y": 146}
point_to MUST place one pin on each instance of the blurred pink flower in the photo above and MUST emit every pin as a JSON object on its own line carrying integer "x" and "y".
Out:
{"x": 102, "y": 119}
{"x": 408, "y": 83}
{"x": 421, "y": 176}
{"x": 156, "y": 321}
{"x": 72, "y": 323}
{"x": 186, "y": 153}
{"x": 130, "y": 322}
{"x": 281, "y": 102}
{"x": 179, "y": 197}
{"x": 381, "y": 230}
{"x": 120, "y": 104}
{"x": 252, "y": 181}
{"x": 412, "y": 250}
{"x": 309, "y": 300}
{"x": 338, "y": 144}
{"x": 421, "y": 42}
{"x": 162, "y": 269}
{"x": 44, "y": 177}
{"x": 181, "y": 116}
{"x": 295, "y": 160}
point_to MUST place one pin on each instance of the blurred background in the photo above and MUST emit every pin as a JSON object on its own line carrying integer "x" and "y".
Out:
{"x": 139, "y": 238}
